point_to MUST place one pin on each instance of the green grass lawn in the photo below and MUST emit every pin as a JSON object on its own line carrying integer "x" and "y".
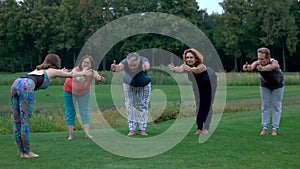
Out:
{"x": 236, "y": 143}
{"x": 53, "y": 96}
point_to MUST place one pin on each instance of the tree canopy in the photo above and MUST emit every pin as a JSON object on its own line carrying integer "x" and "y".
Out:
{"x": 30, "y": 29}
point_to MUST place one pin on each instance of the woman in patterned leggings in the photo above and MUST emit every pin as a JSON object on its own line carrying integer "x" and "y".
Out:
{"x": 22, "y": 97}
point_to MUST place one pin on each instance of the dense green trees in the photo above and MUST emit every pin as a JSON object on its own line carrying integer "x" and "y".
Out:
{"x": 246, "y": 25}
{"x": 30, "y": 29}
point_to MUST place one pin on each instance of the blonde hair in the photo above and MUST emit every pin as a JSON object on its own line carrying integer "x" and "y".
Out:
{"x": 198, "y": 56}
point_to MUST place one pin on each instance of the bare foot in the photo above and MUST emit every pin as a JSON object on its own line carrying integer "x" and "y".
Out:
{"x": 131, "y": 133}
{"x": 70, "y": 137}
{"x": 264, "y": 132}
{"x": 198, "y": 131}
{"x": 29, "y": 155}
{"x": 143, "y": 133}
{"x": 205, "y": 131}
{"x": 274, "y": 132}
{"x": 88, "y": 136}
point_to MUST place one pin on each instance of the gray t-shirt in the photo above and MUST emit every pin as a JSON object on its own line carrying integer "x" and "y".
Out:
{"x": 139, "y": 78}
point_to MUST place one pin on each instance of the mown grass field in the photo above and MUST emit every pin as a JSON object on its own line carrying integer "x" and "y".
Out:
{"x": 235, "y": 143}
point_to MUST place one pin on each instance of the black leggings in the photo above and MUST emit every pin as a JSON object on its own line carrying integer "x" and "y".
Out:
{"x": 203, "y": 97}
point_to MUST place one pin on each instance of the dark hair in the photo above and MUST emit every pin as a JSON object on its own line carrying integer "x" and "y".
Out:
{"x": 91, "y": 59}
{"x": 265, "y": 51}
{"x": 50, "y": 61}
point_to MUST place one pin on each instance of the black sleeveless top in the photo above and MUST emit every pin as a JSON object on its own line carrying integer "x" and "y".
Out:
{"x": 38, "y": 80}
{"x": 271, "y": 79}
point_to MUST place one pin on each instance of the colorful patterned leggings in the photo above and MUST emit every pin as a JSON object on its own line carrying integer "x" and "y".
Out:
{"x": 22, "y": 101}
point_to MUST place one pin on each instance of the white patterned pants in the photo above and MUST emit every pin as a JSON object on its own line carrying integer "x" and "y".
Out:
{"x": 137, "y": 96}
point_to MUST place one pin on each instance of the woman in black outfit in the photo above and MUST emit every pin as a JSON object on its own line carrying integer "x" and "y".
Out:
{"x": 197, "y": 73}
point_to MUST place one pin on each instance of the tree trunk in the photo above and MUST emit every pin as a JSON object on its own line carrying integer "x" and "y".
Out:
{"x": 283, "y": 57}
{"x": 40, "y": 59}
{"x": 74, "y": 59}
{"x": 235, "y": 64}
{"x": 31, "y": 64}
{"x": 241, "y": 62}
{"x": 152, "y": 57}
{"x": 12, "y": 65}
{"x": 22, "y": 63}
{"x": 103, "y": 64}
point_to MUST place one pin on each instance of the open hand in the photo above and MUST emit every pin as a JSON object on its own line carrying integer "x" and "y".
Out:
{"x": 171, "y": 66}
{"x": 145, "y": 66}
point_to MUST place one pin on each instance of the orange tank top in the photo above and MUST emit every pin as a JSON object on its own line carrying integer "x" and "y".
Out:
{"x": 78, "y": 88}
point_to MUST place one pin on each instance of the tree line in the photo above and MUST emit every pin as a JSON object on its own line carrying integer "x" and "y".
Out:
{"x": 30, "y": 29}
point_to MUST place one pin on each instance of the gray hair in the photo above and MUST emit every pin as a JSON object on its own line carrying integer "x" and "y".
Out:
{"x": 133, "y": 57}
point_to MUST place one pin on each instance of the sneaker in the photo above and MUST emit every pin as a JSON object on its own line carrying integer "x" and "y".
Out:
{"x": 143, "y": 133}
{"x": 264, "y": 132}
{"x": 274, "y": 132}
{"x": 131, "y": 133}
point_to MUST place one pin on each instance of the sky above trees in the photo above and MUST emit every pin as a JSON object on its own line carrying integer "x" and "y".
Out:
{"x": 211, "y": 6}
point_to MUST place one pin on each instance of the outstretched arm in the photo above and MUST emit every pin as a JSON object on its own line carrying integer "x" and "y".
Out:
{"x": 176, "y": 69}
{"x": 98, "y": 78}
{"x": 116, "y": 67}
{"x": 198, "y": 69}
{"x": 248, "y": 67}
{"x": 53, "y": 73}
{"x": 269, "y": 67}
